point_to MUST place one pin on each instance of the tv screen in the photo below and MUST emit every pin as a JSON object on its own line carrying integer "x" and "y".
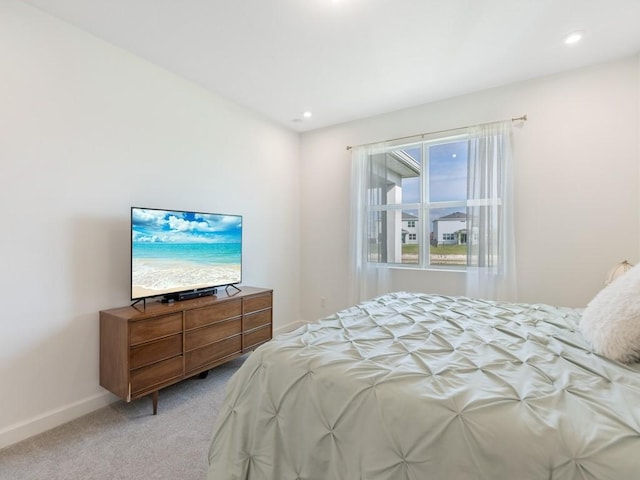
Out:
{"x": 177, "y": 251}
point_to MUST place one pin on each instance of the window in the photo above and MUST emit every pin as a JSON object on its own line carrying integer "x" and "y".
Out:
{"x": 457, "y": 189}
{"x": 427, "y": 182}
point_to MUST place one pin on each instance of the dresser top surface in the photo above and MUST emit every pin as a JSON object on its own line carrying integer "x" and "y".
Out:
{"x": 154, "y": 307}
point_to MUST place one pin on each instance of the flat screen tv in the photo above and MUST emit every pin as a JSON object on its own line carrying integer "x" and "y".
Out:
{"x": 176, "y": 251}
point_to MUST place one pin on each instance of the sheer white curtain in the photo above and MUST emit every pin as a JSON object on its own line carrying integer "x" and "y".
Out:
{"x": 491, "y": 270}
{"x": 367, "y": 279}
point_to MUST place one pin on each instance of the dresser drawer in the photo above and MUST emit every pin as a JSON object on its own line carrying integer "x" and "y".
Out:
{"x": 158, "y": 327}
{"x": 212, "y": 333}
{"x": 259, "y": 302}
{"x": 146, "y": 377}
{"x": 211, "y": 353}
{"x": 257, "y": 337}
{"x": 147, "y": 353}
{"x": 255, "y": 320}
{"x": 206, "y": 315}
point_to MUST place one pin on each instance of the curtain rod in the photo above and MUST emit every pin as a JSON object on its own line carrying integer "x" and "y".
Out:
{"x": 522, "y": 118}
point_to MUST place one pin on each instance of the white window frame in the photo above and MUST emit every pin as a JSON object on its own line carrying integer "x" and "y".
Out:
{"x": 423, "y": 207}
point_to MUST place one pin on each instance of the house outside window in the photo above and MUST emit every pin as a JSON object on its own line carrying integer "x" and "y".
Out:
{"x": 450, "y": 229}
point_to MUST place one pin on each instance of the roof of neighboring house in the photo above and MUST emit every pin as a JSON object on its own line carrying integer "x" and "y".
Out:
{"x": 453, "y": 216}
{"x": 409, "y": 216}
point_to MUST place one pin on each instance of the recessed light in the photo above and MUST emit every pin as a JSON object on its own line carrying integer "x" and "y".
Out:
{"x": 307, "y": 114}
{"x": 573, "y": 38}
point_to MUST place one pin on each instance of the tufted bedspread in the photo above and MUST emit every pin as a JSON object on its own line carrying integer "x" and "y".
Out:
{"x": 416, "y": 386}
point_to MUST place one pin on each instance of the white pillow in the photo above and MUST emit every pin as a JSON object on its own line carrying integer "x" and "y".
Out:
{"x": 611, "y": 321}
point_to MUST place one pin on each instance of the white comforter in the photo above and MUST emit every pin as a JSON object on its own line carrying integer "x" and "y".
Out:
{"x": 414, "y": 386}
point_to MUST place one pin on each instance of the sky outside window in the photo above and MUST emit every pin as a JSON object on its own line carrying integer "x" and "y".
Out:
{"x": 448, "y": 172}
{"x": 447, "y": 177}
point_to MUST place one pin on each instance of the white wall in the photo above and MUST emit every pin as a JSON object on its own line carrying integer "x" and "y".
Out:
{"x": 86, "y": 131}
{"x": 576, "y": 185}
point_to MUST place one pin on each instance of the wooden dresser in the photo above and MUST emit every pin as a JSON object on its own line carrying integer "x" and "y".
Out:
{"x": 146, "y": 348}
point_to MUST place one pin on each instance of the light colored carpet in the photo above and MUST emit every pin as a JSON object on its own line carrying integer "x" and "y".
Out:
{"x": 125, "y": 441}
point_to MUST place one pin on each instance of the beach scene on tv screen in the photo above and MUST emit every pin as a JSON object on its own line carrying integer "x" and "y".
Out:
{"x": 177, "y": 251}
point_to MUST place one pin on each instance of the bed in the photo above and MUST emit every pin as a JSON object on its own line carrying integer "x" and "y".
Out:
{"x": 419, "y": 386}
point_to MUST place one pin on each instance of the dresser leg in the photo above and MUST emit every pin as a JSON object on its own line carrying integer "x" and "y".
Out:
{"x": 154, "y": 399}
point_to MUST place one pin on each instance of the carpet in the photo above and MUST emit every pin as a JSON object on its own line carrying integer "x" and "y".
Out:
{"x": 125, "y": 441}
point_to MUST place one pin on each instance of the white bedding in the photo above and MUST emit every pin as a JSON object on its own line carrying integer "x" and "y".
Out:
{"x": 415, "y": 386}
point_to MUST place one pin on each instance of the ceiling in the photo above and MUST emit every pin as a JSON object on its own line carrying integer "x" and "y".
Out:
{"x": 348, "y": 59}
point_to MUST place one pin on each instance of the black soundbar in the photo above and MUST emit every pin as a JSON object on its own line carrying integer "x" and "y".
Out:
{"x": 178, "y": 297}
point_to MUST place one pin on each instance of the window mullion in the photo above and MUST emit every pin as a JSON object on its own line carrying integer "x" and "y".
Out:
{"x": 424, "y": 210}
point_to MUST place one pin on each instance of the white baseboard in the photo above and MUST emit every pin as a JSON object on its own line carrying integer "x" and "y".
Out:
{"x": 41, "y": 423}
